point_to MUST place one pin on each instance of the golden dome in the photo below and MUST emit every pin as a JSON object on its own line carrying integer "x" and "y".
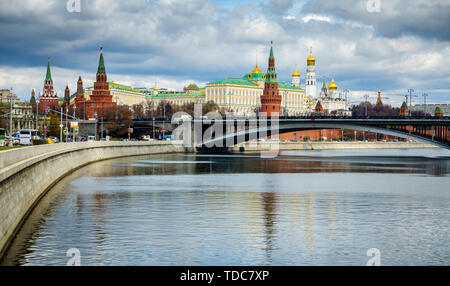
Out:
{"x": 311, "y": 60}
{"x": 332, "y": 85}
{"x": 296, "y": 73}
{"x": 256, "y": 70}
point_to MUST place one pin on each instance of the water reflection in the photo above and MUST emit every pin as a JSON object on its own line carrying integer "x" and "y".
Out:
{"x": 241, "y": 209}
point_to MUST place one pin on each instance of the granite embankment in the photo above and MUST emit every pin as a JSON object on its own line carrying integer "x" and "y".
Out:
{"x": 26, "y": 174}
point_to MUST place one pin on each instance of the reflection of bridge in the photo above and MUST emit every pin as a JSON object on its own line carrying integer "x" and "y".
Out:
{"x": 234, "y": 131}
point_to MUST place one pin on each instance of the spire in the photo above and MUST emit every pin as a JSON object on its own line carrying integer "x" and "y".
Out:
{"x": 79, "y": 78}
{"x": 48, "y": 77}
{"x": 271, "y": 75}
{"x": 101, "y": 63}
{"x": 379, "y": 102}
{"x": 271, "y": 50}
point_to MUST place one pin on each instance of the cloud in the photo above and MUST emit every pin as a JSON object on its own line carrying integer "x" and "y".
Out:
{"x": 175, "y": 42}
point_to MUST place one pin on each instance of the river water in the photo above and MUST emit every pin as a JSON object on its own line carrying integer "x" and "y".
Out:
{"x": 301, "y": 208}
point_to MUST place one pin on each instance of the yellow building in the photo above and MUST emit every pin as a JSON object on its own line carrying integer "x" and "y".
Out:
{"x": 242, "y": 95}
{"x": 124, "y": 94}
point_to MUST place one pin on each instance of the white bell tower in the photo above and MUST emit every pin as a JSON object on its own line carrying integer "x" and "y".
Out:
{"x": 310, "y": 85}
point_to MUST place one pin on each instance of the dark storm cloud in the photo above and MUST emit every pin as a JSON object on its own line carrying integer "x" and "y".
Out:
{"x": 181, "y": 40}
{"x": 424, "y": 18}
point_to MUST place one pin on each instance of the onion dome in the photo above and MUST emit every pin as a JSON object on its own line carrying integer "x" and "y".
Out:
{"x": 332, "y": 85}
{"x": 256, "y": 70}
{"x": 296, "y": 73}
{"x": 311, "y": 61}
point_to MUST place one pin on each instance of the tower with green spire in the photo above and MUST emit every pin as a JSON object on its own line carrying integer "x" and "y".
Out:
{"x": 271, "y": 99}
{"x": 48, "y": 100}
{"x": 101, "y": 97}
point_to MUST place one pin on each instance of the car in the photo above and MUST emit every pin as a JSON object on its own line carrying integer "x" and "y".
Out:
{"x": 91, "y": 138}
{"x": 54, "y": 139}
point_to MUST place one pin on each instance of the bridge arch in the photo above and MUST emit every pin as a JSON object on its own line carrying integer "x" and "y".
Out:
{"x": 245, "y": 135}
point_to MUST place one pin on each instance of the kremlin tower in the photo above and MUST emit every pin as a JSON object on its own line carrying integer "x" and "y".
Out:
{"x": 48, "y": 99}
{"x": 438, "y": 112}
{"x": 101, "y": 97}
{"x": 318, "y": 110}
{"x": 67, "y": 96}
{"x": 310, "y": 85}
{"x": 403, "y": 109}
{"x": 271, "y": 99}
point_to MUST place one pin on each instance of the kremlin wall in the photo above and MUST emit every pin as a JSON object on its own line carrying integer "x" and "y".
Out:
{"x": 255, "y": 92}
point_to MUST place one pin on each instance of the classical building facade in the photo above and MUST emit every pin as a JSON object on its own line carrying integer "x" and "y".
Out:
{"x": 242, "y": 96}
{"x": 123, "y": 94}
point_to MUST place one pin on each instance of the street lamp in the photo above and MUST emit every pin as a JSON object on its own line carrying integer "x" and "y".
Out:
{"x": 366, "y": 97}
{"x": 410, "y": 99}
{"x": 60, "y": 126}
{"x": 424, "y": 104}
{"x": 37, "y": 111}
{"x": 95, "y": 116}
{"x": 10, "y": 97}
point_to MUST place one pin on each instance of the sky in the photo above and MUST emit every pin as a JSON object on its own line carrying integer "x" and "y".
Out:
{"x": 365, "y": 44}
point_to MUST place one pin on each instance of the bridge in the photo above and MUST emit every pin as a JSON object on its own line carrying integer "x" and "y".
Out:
{"x": 224, "y": 133}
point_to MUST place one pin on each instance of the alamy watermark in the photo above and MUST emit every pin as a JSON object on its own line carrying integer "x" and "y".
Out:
{"x": 75, "y": 257}
{"x": 373, "y": 6}
{"x": 375, "y": 255}
{"x": 215, "y": 131}
{"x": 73, "y": 6}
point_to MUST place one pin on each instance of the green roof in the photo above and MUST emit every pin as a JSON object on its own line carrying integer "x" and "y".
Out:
{"x": 318, "y": 105}
{"x": 254, "y": 76}
{"x": 404, "y": 106}
{"x": 232, "y": 81}
{"x": 438, "y": 110}
{"x": 48, "y": 77}
{"x": 177, "y": 94}
{"x": 101, "y": 64}
{"x": 193, "y": 86}
{"x": 288, "y": 86}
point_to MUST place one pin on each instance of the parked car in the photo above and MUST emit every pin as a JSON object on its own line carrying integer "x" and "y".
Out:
{"x": 54, "y": 139}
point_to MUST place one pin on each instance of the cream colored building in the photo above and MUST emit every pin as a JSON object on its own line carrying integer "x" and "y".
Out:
{"x": 124, "y": 94}
{"x": 242, "y": 95}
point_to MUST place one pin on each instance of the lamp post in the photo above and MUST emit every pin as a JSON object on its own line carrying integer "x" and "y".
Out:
{"x": 61, "y": 126}
{"x": 95, "y": 116}
{"x": 410, "y": 90}
{"x": 424, "y": 104}
{"x": 37, "y": 111}
{"x": 10, "y": 97}
{"x": 365, "y": 105}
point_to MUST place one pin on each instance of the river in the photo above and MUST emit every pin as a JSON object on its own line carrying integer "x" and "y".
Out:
{"x": 301, "y": 208}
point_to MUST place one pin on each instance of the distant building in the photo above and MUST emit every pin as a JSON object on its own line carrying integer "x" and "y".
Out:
{"x": 22, "y": 115}
{"x": 4, "y": 93}
{"x": 431, "y": 107}
{"x": 124, "y": 94}
{"x": 192, "y": 88}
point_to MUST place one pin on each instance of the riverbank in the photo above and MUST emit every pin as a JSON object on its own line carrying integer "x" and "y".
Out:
{"x": 291, "y": 146}
{"x": 27, "y": 173}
